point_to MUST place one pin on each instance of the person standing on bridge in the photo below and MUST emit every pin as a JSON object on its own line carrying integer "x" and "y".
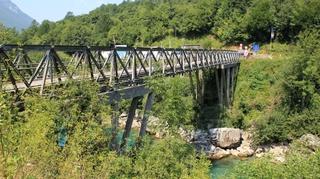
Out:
{"x": 246, "y": 52}
{"x": 240, "y": 49}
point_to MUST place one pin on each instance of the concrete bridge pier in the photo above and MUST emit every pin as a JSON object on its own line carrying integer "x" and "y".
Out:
{"x": 147, "y": 111}
{"x": 127, "y": 129}
{"x": 135, "y": 94}
{"x": 226, "y": 82}
{"x": 115, "y": 125}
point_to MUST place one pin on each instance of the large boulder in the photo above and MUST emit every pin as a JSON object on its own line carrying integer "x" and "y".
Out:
{"x": 225, "y": 138}
{"x": 311, "y": 141}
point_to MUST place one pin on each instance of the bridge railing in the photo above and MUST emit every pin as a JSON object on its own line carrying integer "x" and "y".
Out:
{"x": 31, "y": 66}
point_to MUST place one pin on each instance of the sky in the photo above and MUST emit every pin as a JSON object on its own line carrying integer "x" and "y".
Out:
{"x": 54, "y": 10}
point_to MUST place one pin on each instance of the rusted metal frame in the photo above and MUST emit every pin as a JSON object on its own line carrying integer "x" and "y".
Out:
{"x": 56, "y": 67}
{"x": 215, "y": 57}
{"x": 114, "y": 69}
{"x": 220, "y": 59}
{"x": 168, "y": 60}
{"x": 100, "y": 58}
{"x": 105, "y": 62}
{"x": 45, "y": 73}
{"x": 51, "y": 71}
{"x": 142, "y": 58}
{"x": 108, "y": 60}
{"x": 28, "y": 62}
{"x": 152, "y": 57}
{"x": 128, "y": 62}
{"x": 210, "y": 53}
{"x": 73, "y": 58}
{"x": 195, "y": 60}
{"x": 99, "y": 68}
{"x": 8, "y": 65}
{"x": 200, "y": 57}
{"x": 182, "y": 56}
{"x": 11, "y": 78}
{"x": 230, "y": 57}
{"x": 178, "y": 59}
{"x": 121, "y": 63}
{"x": 226, "y": 57}
{"x": 134, "y": 66}
{"x": 88, "y": 59}
{"x": 16, "y": 59}
{"x": 38, "y": 69}
{"x": 141, "y": 62}
{"x": 171, "y": 56}
{"x": 160, "y": 57}
{"x": 187, "y": 59}
{"x": 78, "y": 63}
{"x": 205, "y": 58}
{"x": 23, "y": 56}
{"x": 57, "y": 61}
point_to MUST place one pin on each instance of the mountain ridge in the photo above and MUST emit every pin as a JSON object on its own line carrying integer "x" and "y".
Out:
{"x": 12, "y": 16}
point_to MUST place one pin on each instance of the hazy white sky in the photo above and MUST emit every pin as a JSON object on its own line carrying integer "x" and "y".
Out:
{"x": 56, "y": 9}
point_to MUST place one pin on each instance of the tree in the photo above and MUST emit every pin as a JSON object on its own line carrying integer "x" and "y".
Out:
{"x": 7, "y": 35}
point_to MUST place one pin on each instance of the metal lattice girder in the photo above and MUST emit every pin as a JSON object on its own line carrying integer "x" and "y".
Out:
{"x": 112, "y": 66}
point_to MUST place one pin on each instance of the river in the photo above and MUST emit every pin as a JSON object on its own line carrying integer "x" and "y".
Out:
{"x": 221, "y": 167}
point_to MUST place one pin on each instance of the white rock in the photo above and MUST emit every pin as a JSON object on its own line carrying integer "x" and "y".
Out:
{"x": 225, "y": 137}
{"x": 311, "y": 141}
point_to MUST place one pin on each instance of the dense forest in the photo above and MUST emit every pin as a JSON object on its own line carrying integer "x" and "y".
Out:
{"x": 278, "y": 99}
{"x": 143, "y": 22}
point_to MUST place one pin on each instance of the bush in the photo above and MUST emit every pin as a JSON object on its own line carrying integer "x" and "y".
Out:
{"x": 297, "y": 165}
{"x": 173, "y": 103}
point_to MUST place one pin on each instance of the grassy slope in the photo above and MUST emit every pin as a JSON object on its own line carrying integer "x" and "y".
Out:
{"x": 258, "y": 91}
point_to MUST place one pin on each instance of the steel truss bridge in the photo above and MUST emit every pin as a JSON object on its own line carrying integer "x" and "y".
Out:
{"x": 121, "y": 71}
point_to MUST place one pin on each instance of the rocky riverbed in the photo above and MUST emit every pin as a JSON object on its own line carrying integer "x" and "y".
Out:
{"x": 218, "y": 143}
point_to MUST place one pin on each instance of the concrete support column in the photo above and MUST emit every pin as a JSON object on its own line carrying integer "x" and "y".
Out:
{"x": 127, "y": 130}
{"x": 228, "y": 87}
{"x": 115, "y": 124}
{"x": 218, "y": 78}
{"x": 232, "y": 83}
{"x": 222, "y": 86}
{"x": 193, "y": 88}
{"x": 146, "y": 114}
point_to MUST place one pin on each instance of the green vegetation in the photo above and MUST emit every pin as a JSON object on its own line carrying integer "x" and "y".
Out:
{"x": 174, "y": 104}
{"x": 300, "y": 163}
{"x": 29, "y": 142}
{"x": 8, "y": 35}
{"x": 280, "y": 98}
